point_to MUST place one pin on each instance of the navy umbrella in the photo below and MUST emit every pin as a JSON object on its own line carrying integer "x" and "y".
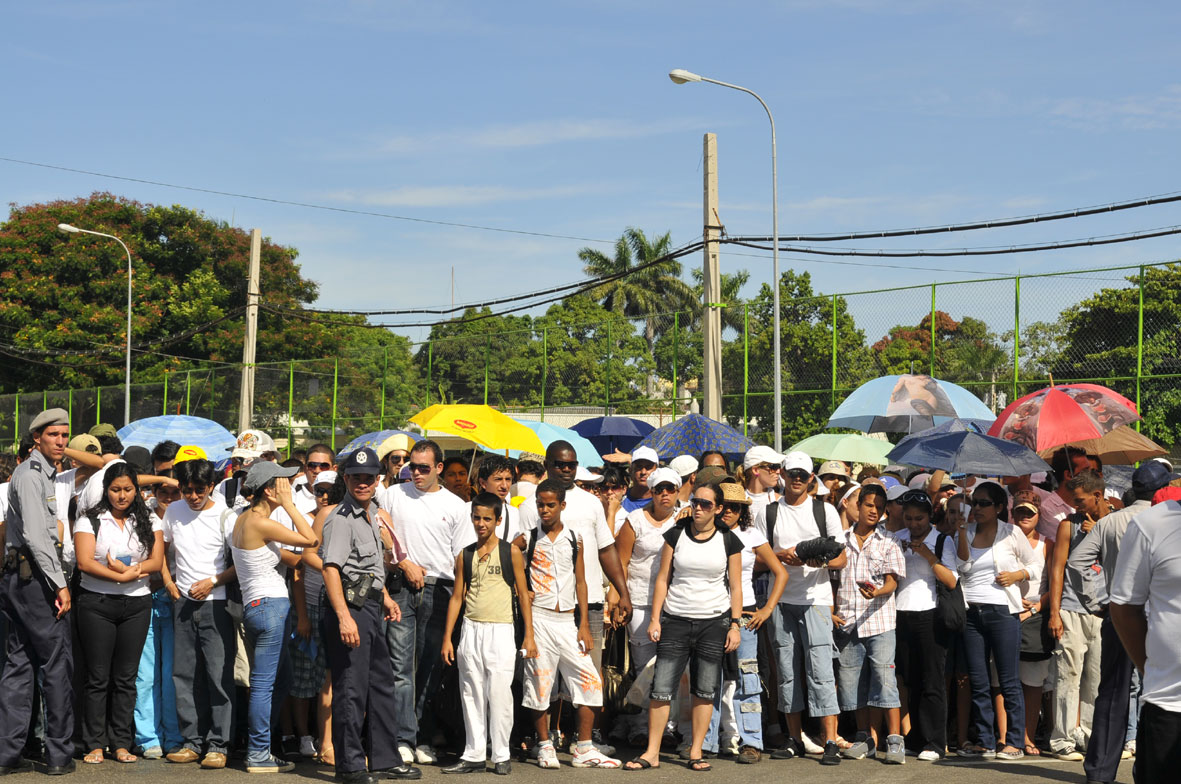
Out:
{"x": 609, "y": 433}
{"x": 693, "y": 434}
{"x": 968, "y": 452}
{"x": 950, "y": 426}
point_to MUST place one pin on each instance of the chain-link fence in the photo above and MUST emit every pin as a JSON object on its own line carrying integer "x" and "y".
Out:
{"x": 1001, "y": 338}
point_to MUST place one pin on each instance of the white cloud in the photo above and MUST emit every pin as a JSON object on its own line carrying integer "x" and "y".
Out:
{"x": 1132, "y": 113}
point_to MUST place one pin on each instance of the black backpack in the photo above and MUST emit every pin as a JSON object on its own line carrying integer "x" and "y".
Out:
{"x": 533, "y": 546}
{"x": 506, "y": 563}
{"x": 817, "y": 513}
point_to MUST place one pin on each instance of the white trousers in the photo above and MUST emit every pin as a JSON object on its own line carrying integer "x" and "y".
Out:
{"x": 486, "y": 657}
{"x": 558, "y": 653}
{"x": 1076, "y": 682}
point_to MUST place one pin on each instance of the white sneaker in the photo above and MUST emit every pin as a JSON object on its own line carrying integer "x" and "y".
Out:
{"x": 406, "y": 753}
{"x": 547, "y": 757}
{"x": 307, "y": 746}
{"x": 810, "y": 746}
{"x": 929, "y": 755}
{"x": 1129, "y": 750}
{"x": 425, "y": 755}
{"x": 593, "y": 758}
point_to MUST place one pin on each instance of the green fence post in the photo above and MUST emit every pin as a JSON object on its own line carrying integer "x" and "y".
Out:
{"x": 70, "y": 406}
{"x": 544, "y": 367}
{"x": 745, "y": 365}
{"x": 676, "y": 354}
{"x": 932, "y": 330}
{"x": 165, "y": 412}
{"x": 335, "y": 380}
{"x": 1140, "y": 344}
{"x": 188, "y": 391}
{"x": 98, "y": 405}
{"x": 290, "y": 402}
{"x": 385, "y": 370}
{"x": 17, "y": 419}
{"x": 487, "y": 354}
{"x": 212, "y": 390}
{"x": 44, "y": 399}
{"x": 1016, "y": 335}
{"x": 607, "y": 386}
{"x": 833, "y": 403}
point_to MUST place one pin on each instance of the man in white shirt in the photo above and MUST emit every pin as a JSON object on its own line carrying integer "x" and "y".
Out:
{"x": 495, "y": 476}
{"x": 434, "y": 524}
{"x": 1146, "y": 611}
{"x": 320, "y": 458}
{"x": 802, "y": 623}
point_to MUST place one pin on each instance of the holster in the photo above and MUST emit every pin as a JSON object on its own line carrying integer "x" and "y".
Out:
{"x": 358, "y": 592}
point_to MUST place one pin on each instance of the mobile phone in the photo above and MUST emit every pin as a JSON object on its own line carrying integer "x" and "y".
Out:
{"x": 867, "y": 585}
{"x": 124, "y": 559}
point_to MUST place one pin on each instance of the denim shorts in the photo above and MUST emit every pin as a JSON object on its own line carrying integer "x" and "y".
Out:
{"x": 698, "y": 642}
{"x": 865, "y": 675}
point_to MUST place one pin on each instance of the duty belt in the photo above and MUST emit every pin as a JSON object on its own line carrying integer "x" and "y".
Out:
{"x": 18, "y": 560}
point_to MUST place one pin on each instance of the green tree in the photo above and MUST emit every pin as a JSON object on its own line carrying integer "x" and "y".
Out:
{"x": 477, "y": 351}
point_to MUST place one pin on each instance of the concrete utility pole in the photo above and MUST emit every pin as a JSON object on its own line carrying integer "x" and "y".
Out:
{"x": 246, "y": 398}
{"x": 712, "y": 284}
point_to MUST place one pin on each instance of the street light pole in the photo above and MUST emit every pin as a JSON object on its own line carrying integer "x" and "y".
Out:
{"x": 67, "y": 228}
{"x": 681, "y": 76}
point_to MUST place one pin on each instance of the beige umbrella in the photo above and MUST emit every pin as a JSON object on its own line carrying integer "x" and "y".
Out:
{"x": 1120, "y": 446}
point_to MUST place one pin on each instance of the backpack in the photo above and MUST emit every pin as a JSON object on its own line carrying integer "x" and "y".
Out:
{"x": 772, "y": 512}
{"x": 506, "y": 562}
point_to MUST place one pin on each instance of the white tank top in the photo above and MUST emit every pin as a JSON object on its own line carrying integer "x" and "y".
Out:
{"x": 980, "y": 585}
{"x": 258, "y": 573}
{"x": 645, "y": 560}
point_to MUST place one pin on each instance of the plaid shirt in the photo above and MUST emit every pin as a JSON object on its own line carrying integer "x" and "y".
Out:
{"x": 880, "y": 556}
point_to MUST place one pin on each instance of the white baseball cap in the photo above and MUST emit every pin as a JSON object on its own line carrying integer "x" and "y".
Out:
{"x": 684, "y": 465}
{"x": 645, "y": 453}
{"x": 251, "y": 444}
{"x": 758, "y": 455}
{"x": 662, "y": 475}
{"x": 583, "y": 475}
{"x": 797, "y": 459}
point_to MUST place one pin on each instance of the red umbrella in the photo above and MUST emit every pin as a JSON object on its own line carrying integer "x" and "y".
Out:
{"x": 1063, "y": 414}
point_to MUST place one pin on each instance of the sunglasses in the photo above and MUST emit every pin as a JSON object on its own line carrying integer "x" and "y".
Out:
{"x": 981, "y": 502}
{"x": 420, "y": 468}
{"x": 915, "y": 497}
{"x": 319, "y": 466}
{"x": 768, "y": 467}
{"x": 322, "y": 490}
{"x": 702, "y": 504}
{"x": 566, "y": 465}
{"x": 798, "y": 475}
{"x": 664, "y": 487}
{"x": 733, "y": 506}
{"x": 614, "y": 487}
{"x": 392, "y": 458}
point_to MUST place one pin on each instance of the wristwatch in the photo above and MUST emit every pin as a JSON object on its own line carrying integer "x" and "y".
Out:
{"x": 213, "y": 580}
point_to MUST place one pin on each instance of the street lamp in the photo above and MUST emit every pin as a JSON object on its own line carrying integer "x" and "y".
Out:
{"x": 68, "y": 229}
{"x": 681, "y": 76}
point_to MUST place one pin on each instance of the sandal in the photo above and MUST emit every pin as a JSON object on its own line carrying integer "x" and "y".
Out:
{"x": 125, "y": 756}
{"x": 94, "y": 757}
{"x": 1032, "y": 750}
{"x": 638, "y": 763}
{"x": 700, "y": 765}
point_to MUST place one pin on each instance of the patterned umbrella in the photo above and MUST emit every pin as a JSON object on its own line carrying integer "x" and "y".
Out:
{"x": 906, "y": 404}
{"x": 693, "y": 434}
{"x": 374, "y": 440}
{"x": 1063, "y": 414}
{"x": 184, "y": 430}
{"x": 609, "y": 433}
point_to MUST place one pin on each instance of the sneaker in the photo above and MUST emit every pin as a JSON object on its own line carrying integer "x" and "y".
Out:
{"x": 728, "y": 748}
{"x": 930, "y": 754}
{"x": 810, "y": 746}
{"x": 290, "y": 746}
{"x": 832, "y": 754}
{"x": 1129, "y": 750}
{"x": 858, "y": 749}
{"x": 406, "y": 753}
{"x": 791, "y": 750}
{"x": 591, "y": 757}
{"x": 152, "y": 752}
{"x": 600, "y": 744}
{"x": 1069, "y": 755}
{"x": 307, "y": 746}
{"x": 271, "y": 764}
{"x": 895, "y": 750}
{"x": 425, "y": 755}
{"x": 547, "y": 757}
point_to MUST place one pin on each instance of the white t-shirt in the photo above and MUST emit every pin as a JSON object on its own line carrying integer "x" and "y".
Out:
{"x": 759, "y": 501}
{"x": 980, "y": 585}
{"x": 751, "y": 539}
{"x": 64, "y": 490}
{"x": 916, "y": 591}
{"x": 1148, "y": 572}
{"x": 118, "y": 542}
{"x": 806, "y": 585}
{"x": 698, "y": 585}
{"x": 583, "y": 515}
{"x": 240, "y": 503}
{"x": 92, "y": 492}
{"x": 552, "y": 575}
{"x": 644, "y": 564}
{"x": 198, "y": 544}
{"x": 4, "y": 500}
{"x": 510, "y": 522}
{"x": 434, "y": 527}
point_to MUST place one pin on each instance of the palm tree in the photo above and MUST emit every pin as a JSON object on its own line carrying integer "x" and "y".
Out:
{"x": 732, "y": 314}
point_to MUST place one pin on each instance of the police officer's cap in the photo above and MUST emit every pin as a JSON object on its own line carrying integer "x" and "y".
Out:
{"x": 363, "y": 461}
{"x": 48, "y": 418}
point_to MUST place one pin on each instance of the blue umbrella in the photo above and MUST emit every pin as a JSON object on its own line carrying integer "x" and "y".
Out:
{"x": 966, "y": 452}
{"x": 693, "y": 434}
{"x": 950, "y": 426}
{"x": 587, "y": 454}
{"x": 609, "y": 433}
{"x": 373, "y": 440}
{"x": 184, "y": 430}
{"x": 907, "y": 404}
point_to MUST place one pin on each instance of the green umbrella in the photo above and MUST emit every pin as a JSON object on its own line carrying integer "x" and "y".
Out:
{"x": 849, "y": 447}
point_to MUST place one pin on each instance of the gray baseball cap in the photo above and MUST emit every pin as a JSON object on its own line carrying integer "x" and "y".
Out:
{"x": 264, "y": 471}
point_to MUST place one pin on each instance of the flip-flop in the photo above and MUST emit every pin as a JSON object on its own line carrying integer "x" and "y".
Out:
{"x": 95, "y": 757}
{"x": 125, "y": 756}
{"x": 700, "y": 765}
{"x": 1032, "y": 751}
{"x": 639, "y": 762}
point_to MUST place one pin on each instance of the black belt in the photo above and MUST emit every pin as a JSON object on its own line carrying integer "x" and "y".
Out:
{"x": 595, "y": 606}
{"x": 443, "y": 581}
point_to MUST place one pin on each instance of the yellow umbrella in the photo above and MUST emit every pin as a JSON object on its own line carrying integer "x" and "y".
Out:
{"x": 482, "y": 424}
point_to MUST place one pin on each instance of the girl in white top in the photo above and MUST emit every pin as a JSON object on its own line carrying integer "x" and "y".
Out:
{"x": 255, "y": 547}
{"x": 1036, "y": 674}
{"x": 118, "y": 544}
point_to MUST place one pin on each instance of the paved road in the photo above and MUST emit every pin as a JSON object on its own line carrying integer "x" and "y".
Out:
{"x": 725, "y": 772}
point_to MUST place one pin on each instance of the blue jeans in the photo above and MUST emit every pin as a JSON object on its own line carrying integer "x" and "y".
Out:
{"x": 415, "y": 643}
{"x": 265, "y": 624}
{"x": 804, "y": 649}
{"x": 155, "y": 703}
{"x": 747, "y": 700}
{"x": 858, "y": 685}
{"x": 992, "y": 629}
{"x": 698, "y": 642}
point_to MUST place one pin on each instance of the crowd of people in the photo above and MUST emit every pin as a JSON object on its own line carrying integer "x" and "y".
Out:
{"x": 380, "y": 610}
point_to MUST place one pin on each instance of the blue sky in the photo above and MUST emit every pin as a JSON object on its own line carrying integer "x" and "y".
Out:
{"x": 559, "y": 118}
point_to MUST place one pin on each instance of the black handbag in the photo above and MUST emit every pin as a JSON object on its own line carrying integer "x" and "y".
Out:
{"x": 951, "y": 614}
{"x": 1037, "y": 643}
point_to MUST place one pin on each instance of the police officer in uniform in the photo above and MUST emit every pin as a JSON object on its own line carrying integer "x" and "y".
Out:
{"x": 35, "y": 599}
{"x": 358, "y": 656}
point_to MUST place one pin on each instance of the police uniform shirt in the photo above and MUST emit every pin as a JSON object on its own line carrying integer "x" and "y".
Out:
{"x": 32, "y": 516}
{"x": 351, "y": 543}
